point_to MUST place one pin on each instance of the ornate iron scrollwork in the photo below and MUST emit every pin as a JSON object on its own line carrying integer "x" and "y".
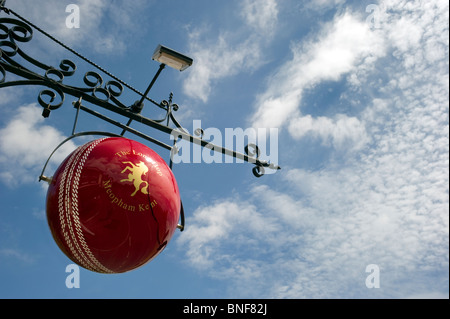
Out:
{"x": 14, "y": 32}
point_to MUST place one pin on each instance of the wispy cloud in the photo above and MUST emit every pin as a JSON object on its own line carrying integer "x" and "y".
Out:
{"x": 25, "y": 144}
{"x": 331, "y": 224}
{"x": 105, "y": 39}
{"x": 341, "y": 131}
{"x": 8, "y": 253}
{"x": 339, "y": 48}
{"x": 7, "y": 95}
{"x": 229, "y": 56}
{"x": 261, "y": 16}
{"x": 310, "y": 233}
{"x": 218, "y": 61}
{"x": 385, "y": 204}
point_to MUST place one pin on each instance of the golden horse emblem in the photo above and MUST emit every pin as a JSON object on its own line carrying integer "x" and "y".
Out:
{"x": 135, "y": 176}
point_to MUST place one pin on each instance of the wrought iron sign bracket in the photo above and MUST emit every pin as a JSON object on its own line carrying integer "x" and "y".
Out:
{"x": 14, "y": 61}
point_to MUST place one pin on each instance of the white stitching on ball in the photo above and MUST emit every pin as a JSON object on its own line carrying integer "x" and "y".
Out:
{"x": 75, "y": 216}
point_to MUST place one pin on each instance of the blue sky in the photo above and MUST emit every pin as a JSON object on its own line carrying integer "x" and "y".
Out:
{"x": 358, "y": 91}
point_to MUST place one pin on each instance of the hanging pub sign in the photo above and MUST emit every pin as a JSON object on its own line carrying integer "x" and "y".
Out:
{"x": 113, "y": 205}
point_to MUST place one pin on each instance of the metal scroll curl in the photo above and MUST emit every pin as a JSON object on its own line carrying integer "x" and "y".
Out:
{"x": 13, "y": 32}
{"x": 67, "y": 67}
{"x": 253, "y": 151}
{"x": 51, "y": 94}
{"x": 20, "y": 31}
{"x": 106, "y": 93}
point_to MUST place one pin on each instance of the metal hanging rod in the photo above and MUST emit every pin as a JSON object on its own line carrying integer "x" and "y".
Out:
{"x": 14, "y": 32}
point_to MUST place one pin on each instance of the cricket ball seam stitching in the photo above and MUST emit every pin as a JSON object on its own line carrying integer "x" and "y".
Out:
{"x": 69, "y": 212}
{"x": 64, "y": 203}
{"x": 76, "y": 219}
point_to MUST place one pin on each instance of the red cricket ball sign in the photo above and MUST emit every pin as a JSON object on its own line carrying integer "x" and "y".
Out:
{"x": 113, "y": 205}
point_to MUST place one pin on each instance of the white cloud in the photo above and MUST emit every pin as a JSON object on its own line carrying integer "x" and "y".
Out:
{"x": 215, "y": 224}
{"x": 408, "y": 34}
{"x": 16, "y": 254}
{"x": 215, "y": 62}
{"x": 315, "y": 240}
{"x": 229, "y": 56}
{"x": 341, "y": 47}
{"x": 51, "y": 16}
{"x": 316, "y": 231}
{"x": 262, "y": 16}
{"x": 323, "y": 4}
{"x": 7, "y": 95}
{"x": 310, "y": 234}
{"x": 25, "y": 145}
{"x": 342, "y": 132}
